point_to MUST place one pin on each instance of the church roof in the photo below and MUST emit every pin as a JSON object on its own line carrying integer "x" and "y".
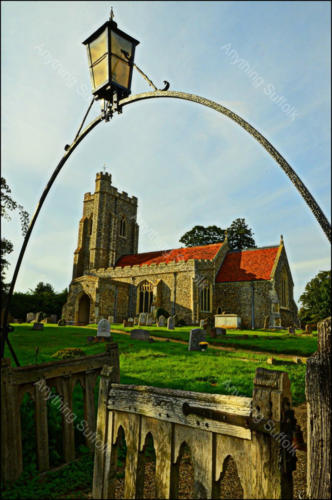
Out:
{"x": 165, "y": 256}
{"x": 248, "y": 265}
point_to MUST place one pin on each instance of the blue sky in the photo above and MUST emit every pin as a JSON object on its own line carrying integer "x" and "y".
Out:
{"x": 186, "y": 164}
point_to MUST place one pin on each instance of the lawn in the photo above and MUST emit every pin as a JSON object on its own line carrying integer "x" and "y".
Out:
{"x": 266, "y": 341}
{"x": 162, "y": 364}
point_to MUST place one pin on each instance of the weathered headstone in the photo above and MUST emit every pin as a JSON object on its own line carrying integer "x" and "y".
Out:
{"x": 30, "y": 317}
{"x": 139, "y": 334}
{"x": 196, "y": 336}
{"x": 125, "y": 323}
{"x": 149, "y": 319}
{"x": 308, "y": 329}
{"x": 103, "y": 328}
{"x": 38, "y": 317}
{"x": 142, "y": 319}
{"x": 38, "y": 326}
{"x": 220, "y": 331}
{"x": 53, "y": 318}
{"x": 136, "y": 320}
{"x": 202, "y": 323}
{"x": 161, "y": 321}
{"x": 110, "y": 319}
{"x": 170, "y": 323}
{"x": 291, "y": 329}
{"x": 130, "y": 321}
{"x": 266, "y": 322}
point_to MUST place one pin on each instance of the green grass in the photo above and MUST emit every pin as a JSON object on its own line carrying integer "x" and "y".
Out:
{"x": 161, "y": 364}
{"x": 275, "y": 342}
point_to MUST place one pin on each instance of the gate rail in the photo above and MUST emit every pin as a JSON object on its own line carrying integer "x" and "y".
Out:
{"x": 257, "y": 432}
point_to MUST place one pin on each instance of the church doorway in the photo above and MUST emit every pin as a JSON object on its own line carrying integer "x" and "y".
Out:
{"x": 84, "y": 310}
{"x": 145, "y": 297}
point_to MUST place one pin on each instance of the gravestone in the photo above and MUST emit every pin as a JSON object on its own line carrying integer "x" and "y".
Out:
{"x": 197, "y": 335}
{"x": 202, "y": 323}
{"x": 142, "y": 319}
{"x": 170, "y": 323}
{"x": 308, "y": 329}
{"x": 38, "y": 317}
{"x": 139, "y": 334}
{"x": 30, "y": 317}
{"x": 149, "y": 319}
{"x": 125, "y": 323}
{"x": 110, "y": 319}
{"x": 53, "y": 318}
{"x": 104, "y": 328}
{"x": 266, "y": 322}
{"x": 130, "y": 321}
{"x": 38, "y": 326}
{"x": 161, "y": 321}
{"x": 220, "y": 331}
{"x": 136, "y": 320}
{"x": 291, "y": 329}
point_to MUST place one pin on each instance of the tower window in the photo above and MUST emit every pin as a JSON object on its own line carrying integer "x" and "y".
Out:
{"x": 123, "y": 227}
{"x": 204, "y": 298}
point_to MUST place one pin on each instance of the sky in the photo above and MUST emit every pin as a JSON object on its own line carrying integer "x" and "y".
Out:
{"x": 269, "y": 62}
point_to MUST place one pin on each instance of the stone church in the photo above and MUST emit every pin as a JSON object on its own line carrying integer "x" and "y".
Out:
{"x": 110, "y": 277}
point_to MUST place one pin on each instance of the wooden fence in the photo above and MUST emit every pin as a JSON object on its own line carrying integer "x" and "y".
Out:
{"x": 256, "y": 432}
{"x": 37, "y": 380}
{"x": 319, "y": 407}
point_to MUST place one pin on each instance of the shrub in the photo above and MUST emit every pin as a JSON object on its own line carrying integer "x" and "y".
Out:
{"x": 162, "y": 312}
{"x": 68, "y": 353}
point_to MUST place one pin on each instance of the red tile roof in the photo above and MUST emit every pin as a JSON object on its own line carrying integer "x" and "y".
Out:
{"x": 165, "y": 256}
{"x": 248, "y": 265}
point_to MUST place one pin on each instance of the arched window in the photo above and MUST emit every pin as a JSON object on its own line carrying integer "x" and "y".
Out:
{"x": 204, "y": 297}
{"x": 284, "y": 289}
{"x": 145, "y": 297}
{"x": 123, "y": 227}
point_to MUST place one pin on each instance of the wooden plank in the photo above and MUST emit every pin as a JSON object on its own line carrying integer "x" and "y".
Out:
{"x": 89, "y": 405}
{"x": 166, "y": 405}
{"x": 201, "y": 447}
{"x": 67, "y": 424}
{"x": 162, "y": 433}
{"x": 33, "y": 373}
{"x": 133, "y": 472}
{"x": 41, "y": 430}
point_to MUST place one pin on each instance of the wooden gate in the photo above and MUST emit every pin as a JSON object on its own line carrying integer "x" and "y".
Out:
{"x": 256, "y": 432}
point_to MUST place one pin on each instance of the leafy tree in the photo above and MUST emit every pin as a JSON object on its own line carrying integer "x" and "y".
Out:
{"x": 240, "y": 236}
{"x": 9, "y": 205}
{"x": 43, "y": 298}
{"x": 200, "y": 235}
{"x": 316, "y": 299}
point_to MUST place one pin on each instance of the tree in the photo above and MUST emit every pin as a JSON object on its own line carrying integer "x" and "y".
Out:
{"x": 240, "y": 236}
{"x": 316, "y": 299}
{"x": 9, "y": 205}
{"x": 42, "y": 298}
{"x": 200, "y": 235}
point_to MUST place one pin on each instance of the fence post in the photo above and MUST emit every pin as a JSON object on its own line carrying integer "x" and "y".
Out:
{"x": 273, "y": 456}
{"x": 109, "y": 374}
{"x": 11, "y": 439}
{"x": 318, "y": 394}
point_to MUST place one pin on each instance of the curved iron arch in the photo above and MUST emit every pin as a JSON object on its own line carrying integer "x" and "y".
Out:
{"x": 291, "y": 174}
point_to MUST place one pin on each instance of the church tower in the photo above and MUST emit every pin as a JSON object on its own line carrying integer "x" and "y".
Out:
{"x": 108, "y": 228}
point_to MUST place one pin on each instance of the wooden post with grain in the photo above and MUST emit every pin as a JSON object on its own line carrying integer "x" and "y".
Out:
{"x": 319, "y": 401}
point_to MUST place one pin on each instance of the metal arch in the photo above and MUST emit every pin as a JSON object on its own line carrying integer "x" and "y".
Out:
{"x": 307, "y": 196}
